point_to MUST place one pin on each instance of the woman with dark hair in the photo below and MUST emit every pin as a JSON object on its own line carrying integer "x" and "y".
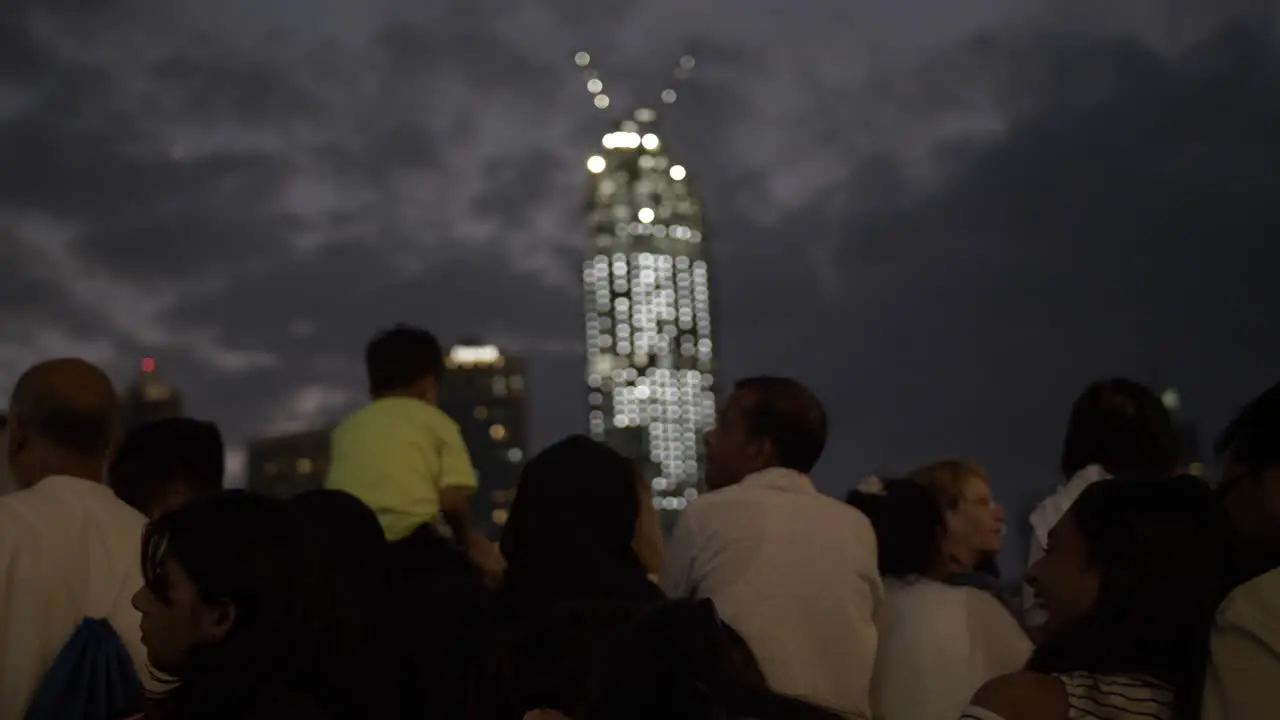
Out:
{"x": 1117, "y": 427}
{"x": 938, "y": 642}
{"x": 368, "y": 669}
{"x": 571, "y": 535}
{"x": 1130, "y": 581}
{"x": 570, "y": 545}
{"x": 227, "y": 615}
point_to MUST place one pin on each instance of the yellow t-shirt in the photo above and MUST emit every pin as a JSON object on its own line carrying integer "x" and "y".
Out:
{"x": 396, "y": 454}
{"x": 1244, "y": 666}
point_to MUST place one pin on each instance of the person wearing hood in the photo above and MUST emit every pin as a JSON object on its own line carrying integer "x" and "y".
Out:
{"x": 1117, "y": 427}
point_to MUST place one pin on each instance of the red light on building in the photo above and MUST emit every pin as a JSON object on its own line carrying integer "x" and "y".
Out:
{"x": 148, "y": 365}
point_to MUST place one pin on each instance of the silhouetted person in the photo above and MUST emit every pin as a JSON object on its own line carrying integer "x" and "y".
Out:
{"x": 68, "y": 547}
{"x": 1117, "y": 427}
{"x": 165, "y": 464}
{"x": 790, "y": 569}
{"x": 1245, "y": 667}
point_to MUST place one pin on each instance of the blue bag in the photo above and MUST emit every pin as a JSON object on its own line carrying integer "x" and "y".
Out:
{"x": 92, "y": 678}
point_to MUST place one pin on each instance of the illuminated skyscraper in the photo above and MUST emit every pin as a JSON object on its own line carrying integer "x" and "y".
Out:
{"x": 484, "y": 392}
{"x": 650, "y": 365}
{"x": 149, "y": 398}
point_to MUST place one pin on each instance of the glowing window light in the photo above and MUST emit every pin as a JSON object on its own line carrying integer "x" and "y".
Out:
{"x": 669, "y": 96}
{"x": 475, "y": 355}
{"x": 582, "y": 59}
{"x": 650, "y": 141}
{"x": 645, "y": 215}
{"x": 596, "y": 164}
{"x": 677, "y": 172}
{"x": 602, "y": 101}
{"x": 594, "y": 85}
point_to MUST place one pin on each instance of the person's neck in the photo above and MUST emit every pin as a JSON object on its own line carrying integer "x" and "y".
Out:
{"x": 82, "y": 469}
{"x": 406, "y": 394}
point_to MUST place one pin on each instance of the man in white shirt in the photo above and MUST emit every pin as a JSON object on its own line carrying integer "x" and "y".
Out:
{"x": 1244, "y": 644}
{"x": 793, "y": 571}
{"x": 69, "y": 549}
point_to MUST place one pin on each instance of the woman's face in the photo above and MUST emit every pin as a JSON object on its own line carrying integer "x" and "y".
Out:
{"x": 172, "y": 626}
{"x": 977, "y": 522}
{"x": 1065, "y": 580}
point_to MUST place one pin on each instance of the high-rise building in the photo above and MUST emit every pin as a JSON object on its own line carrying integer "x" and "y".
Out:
{"x": 287, "y": 465}
{"x": 484, "y": 392}
{"x": 649, "y": 351}
{"x": 149, "y": 398}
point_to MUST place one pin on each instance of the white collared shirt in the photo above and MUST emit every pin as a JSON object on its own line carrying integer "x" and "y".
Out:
{"x": 69, "y": 549}
{"x": 792, "y": 571}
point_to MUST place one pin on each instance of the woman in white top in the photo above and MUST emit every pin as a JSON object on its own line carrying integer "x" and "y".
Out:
{"x": 1129, "y": 581}
{"x": 938, "y": 642}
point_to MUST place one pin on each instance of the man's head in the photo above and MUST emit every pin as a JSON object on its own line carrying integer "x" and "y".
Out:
{"x": 767, "y": 422}
{"x": 63, "y": 420}
{"x": 406, "y": 361}
{"x": 165, "y": 464}
{"x": 1122, "y": 426}
{"x": 1249, "y": 449}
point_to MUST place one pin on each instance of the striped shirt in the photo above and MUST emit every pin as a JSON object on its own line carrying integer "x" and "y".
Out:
{"x": 1104, "y": 697}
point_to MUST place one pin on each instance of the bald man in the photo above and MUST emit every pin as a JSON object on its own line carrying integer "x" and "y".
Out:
{"x": 69, "y": 549}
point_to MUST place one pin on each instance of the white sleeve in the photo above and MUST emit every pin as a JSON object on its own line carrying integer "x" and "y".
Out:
{"x": 677, "y": 579}
{"x": 1000, "y": 645}
{"x": 1034, "y": 615}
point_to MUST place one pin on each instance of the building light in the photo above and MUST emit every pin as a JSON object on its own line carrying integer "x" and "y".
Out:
{"x": 1196, "y": 469}
{"x": 515, "y": 455}
{"x": 602, "y": 101}
{"x": 669, "y": 96}
{"x": 582, "y": 59}
{"x": 596, "y": 164}
{"x": 677, "y": 172}
{"x": 148, "y": 365}
{"x": 481, "y": 412}
{"x": 645, "y": 215}
{"x": 472, "y": 355}
{"x": 498, "y": 433}
{"x": 500, "y": 516}
{"x": 305, "y": 466}
{"x": 594, "y": 86}
{"x": 650, "y": 141}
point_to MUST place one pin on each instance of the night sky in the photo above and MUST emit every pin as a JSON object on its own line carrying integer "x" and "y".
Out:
{"x": 947, "y": 216}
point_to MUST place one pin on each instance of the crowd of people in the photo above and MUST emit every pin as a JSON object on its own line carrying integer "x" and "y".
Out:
{"x": 132, "y": 585}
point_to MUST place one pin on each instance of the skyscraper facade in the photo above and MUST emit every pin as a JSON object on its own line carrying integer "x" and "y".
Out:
{"x": 288, "y": 465}
{"x": 484, "y": 392}
{"x": 649, "y": 353}
{"x": 149, "y": 398}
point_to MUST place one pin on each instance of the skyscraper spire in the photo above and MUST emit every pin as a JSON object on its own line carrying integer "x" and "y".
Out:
{"x": 649, "y": 352}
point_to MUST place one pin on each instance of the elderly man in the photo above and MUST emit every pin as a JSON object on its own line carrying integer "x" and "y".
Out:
{"x": 69, "y": 549}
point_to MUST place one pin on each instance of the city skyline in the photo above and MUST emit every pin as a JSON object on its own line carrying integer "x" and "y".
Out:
{"x": 945, "y": 217}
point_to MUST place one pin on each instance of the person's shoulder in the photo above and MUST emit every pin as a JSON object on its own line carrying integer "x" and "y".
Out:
{"x": 1256, "y": 602}
{"x": 1023, "y": 695}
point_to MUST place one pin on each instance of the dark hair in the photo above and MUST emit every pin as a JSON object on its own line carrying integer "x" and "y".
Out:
{"x": 787, "y": 414}
{"x": 1252, "y": 438}
{"x": 365, "y": 672}
{"x": 1158, "y": 545}
{"x": 1124, "y": 427}
{"x": 397, "y": 358}
{"x": 156, "y": 456}
{"x": 82, "y": 424}
{"x": 909, "y": 522}
{"x": 571, "y": 531}
{"x": 680, "y": 660}
{"x": 240, "y": 548}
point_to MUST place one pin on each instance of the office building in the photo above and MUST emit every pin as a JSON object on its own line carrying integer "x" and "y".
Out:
{"x": 649, "y": 351}
{"x": 484, "y": 392}
{"x": 149, "y": 398}
{"x": 287, "y": 465}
